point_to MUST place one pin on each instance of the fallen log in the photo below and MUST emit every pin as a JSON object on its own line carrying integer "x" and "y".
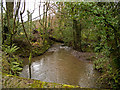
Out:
{"x": 56, "y": 40}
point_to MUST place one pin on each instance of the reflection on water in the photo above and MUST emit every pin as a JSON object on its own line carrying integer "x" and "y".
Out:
{"x": 60, "y": 66}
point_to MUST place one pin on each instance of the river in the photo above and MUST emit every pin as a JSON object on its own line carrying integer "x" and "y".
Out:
{"x": 60, "y": 66}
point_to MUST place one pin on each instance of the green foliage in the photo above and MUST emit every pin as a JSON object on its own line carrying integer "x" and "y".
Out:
{"x": 15, "y": 68}
{"x": 100, "y": 63}
{"x": 115, "y": 79}
{"x": 10, "y": 49}
{"x": 99, "y": 29}
{"x": 111, "y": 78}
{"x": 100, "y": 32}
{"x": 16, "y": 65}
{"x": 12, "y": 65}
{"x": 109, "y": 74}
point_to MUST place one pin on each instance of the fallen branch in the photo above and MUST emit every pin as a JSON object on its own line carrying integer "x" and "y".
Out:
{"x": 56, "y": 40}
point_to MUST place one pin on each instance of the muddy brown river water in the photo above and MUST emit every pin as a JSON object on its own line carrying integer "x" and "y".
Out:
{"x": 60, "y": 66}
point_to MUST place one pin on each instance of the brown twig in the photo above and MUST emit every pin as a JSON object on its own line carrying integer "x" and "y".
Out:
{"x": 23, "y": 24}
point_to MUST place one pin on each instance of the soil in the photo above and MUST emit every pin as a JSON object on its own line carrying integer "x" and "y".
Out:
{"x": 86, "y": 56}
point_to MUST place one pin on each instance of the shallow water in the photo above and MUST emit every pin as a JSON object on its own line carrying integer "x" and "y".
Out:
{"x": 60, "y": 66}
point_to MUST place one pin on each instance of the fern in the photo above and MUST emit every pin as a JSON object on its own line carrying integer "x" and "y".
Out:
{"x": 10, "y": 50}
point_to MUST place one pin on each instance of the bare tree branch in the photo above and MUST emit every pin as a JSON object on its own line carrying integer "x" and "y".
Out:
{"x": 14, "y": 24}
{"x": 23, "y": 24}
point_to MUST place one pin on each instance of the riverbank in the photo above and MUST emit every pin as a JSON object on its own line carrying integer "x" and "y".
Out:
{"x": 9, "y": 60}
{"x": 84, "y": 56}
{"x": 25, "y": 49}
{"x": 10, "y": 81}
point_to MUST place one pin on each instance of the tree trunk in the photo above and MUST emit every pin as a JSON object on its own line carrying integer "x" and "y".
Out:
{"x": 9, "y": 11}
{"x": 2, "y": 21}
{"x": 77, "y": 35}
{"x": 43, "y": 24}
{"x": 9, "y": 7}
{"x": 74, "y": 34}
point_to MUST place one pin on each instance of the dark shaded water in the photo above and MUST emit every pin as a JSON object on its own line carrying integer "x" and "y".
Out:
{"x": 60, "y": 66}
